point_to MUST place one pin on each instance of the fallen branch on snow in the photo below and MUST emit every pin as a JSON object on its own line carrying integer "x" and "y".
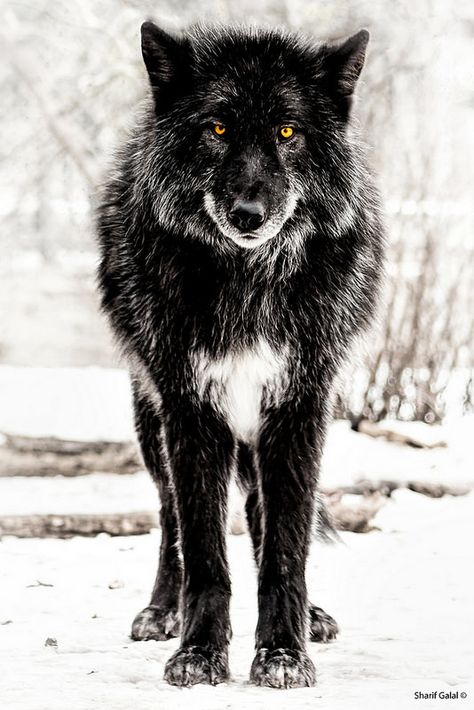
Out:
{"x": 48, "y": 456}
{"x": 423, "y": 436}
{"x": 367, "y": 487}
{"x": 83, "y": 524}
{"x": 345, "y": 517}
{"x": 356, "y": 517}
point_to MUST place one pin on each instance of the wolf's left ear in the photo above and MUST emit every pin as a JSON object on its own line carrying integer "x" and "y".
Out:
{"x": 343, "y": 62}
{"x": 165, "y": 57}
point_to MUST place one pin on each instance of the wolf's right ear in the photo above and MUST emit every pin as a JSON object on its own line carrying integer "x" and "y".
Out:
{"x": 165, "y": 56}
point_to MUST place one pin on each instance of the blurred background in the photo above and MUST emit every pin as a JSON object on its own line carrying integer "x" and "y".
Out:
{"x": 71, "y": 79}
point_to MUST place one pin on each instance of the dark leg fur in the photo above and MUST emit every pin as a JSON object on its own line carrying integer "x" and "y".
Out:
{"x": 248, "y": 477}
{"x": 161, "y": 619}
{"x": 322, "y": 627}
{"x": 287, "y": 460}
{"x": 201, "y": 450}
{"x": 288, "y": 477}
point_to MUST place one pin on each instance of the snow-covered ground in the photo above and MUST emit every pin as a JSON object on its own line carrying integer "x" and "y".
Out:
{"x": 403, "y": 600}
{"x": 402, "y": 594}
{"x": 86, "y": 403}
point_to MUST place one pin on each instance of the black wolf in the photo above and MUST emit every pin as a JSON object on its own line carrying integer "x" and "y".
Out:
{"x": 241, "y": 252}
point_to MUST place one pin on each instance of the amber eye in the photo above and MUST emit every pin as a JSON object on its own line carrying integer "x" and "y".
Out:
{"x": 219, "y": 129}
{"x": 285, "y": 132}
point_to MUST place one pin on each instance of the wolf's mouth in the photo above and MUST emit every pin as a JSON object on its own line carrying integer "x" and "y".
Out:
{"x": 247, "y": 241}
{"x": 250, "y": 237}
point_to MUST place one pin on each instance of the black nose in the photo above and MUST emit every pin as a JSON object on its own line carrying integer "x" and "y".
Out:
{"x": 247, "y": 216}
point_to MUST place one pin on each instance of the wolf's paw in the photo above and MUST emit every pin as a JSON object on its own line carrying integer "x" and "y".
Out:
{"x": 322, "y": 627}
{"x": 283, "y": 668}
{"x": 193, "y": 664}
{"x": 156, "y": 624}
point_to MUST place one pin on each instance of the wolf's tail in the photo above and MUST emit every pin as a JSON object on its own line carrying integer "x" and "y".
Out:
{"x": 324, "y": 528}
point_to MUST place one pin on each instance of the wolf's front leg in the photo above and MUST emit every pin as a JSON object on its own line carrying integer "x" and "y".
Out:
{"x": 201, "y": 448}
{"x": 287, "y": 458}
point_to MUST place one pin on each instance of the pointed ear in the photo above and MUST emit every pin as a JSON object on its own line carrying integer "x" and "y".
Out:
{"x": 344, "y": 61}
{"x": 165, "y": 57}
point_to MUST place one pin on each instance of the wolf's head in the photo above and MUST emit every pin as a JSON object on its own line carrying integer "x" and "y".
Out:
{"x": 249, "y": 131}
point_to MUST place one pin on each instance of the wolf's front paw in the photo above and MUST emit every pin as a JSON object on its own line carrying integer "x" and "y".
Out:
{"x": 322, "y": 627}
{"x": 156, "y": 624}
{"x": 193, "y": 664}
{"x": 283, "y": 668}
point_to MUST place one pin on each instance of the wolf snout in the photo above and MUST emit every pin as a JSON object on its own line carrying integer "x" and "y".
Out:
{"x": 247, "y": 216}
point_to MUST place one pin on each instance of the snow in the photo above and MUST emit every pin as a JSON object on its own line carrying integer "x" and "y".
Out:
{"x": 350, "y": 456}
{"x": 404, "y": 610}
{"x": 96, "y": 493}
{"x": 70, "y": 403}
{"x": 402, "y": 594}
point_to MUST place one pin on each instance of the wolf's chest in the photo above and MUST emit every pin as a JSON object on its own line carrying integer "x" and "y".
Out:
{"x": 240, "y": 384}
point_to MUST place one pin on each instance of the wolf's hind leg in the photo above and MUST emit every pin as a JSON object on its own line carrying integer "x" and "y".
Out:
{"x": 248, "y": 478}
{"x": 161, "y": 619}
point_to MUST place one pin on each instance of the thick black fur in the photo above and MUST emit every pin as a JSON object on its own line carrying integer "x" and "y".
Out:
{"x": 200, "y": 293}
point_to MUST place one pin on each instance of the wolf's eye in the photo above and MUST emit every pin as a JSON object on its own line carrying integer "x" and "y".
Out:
{"x": 219, "y": 129}
{"x": 285, "y": 132}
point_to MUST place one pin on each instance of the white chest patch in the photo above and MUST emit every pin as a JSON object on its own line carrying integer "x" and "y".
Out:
{"x": 237, "y": 383}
